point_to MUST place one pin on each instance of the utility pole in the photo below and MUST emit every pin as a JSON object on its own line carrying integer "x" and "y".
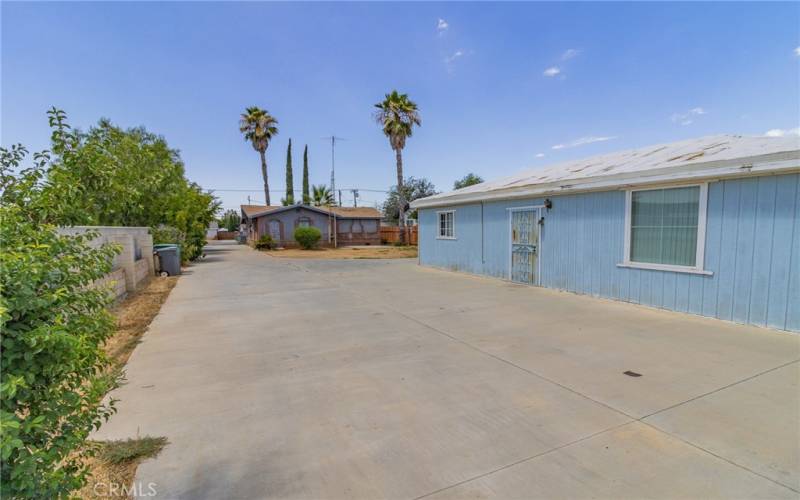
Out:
{"x": 333, "y": 140}
{"x": 340, "y": 197}
{"x": 355, "y": 197}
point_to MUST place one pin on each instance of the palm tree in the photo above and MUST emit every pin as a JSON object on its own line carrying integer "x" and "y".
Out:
{"x": 259, "y": 127}
{"x": 397, "y": 115}
{"x": 321, "y": 196}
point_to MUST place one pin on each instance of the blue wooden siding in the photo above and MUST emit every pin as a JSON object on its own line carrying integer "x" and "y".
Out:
{"x": 752, "y": 249}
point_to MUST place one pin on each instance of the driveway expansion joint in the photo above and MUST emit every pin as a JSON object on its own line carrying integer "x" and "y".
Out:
{"x": 632, "y": 418}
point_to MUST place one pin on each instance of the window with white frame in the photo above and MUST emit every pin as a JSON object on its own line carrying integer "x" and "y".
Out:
{"x": 447, "y": 224}
{"x": 666, "y": 227}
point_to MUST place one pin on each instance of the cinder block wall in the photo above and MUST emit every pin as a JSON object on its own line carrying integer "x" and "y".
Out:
{"x": 133, "y": 264}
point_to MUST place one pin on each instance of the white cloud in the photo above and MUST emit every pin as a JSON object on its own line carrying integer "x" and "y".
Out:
{"x": 582, "y": 141}
{"x": 449, "y": 61}
{"x": 688, "y": 117}
{"x": 779, "y": 132}
{"x": 569, "y": 54}
{"x": 551, "y": 71}
{"x": 441, "y": 26}
{"x": 540, "y": 155}
{"x": 797, "y": 51}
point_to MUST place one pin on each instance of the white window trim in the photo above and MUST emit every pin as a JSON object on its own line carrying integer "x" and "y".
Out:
{"x": 439, "y": 225}
{"x": 702, "y": 215}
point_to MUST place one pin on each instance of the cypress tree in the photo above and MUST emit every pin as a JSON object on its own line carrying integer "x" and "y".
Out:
{"x": 306, "y": 194}
{"x": 289, "y": 200}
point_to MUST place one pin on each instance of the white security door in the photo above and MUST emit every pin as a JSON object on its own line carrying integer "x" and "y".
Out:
{"x": 524, "y": 246}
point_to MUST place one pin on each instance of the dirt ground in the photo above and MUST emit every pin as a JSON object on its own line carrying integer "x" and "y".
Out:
{"x": 134, "y": 314}
{"x": 360, "y": 252}
{"x": 103, "y": 475}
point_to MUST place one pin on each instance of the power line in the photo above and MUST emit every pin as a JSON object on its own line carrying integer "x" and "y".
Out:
{"x": 296, "y": 190}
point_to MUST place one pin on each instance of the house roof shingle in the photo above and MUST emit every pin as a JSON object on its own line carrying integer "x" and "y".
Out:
{"x": 250, "y": 210}
{"x": 342, "y": 212}
{"x": 356, "y": 212}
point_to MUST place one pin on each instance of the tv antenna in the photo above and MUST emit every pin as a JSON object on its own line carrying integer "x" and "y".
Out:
{"x": 333, "y": 140}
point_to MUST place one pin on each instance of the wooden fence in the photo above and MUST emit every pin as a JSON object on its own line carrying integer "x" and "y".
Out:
{"x": 391, "y": 234}
{"x": 227, "y": 235}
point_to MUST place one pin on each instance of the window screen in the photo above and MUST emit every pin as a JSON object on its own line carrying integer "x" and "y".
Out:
{"x": 664, "y": 226}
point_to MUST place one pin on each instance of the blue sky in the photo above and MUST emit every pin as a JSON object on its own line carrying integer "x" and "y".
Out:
{"x": 500, "y": 86}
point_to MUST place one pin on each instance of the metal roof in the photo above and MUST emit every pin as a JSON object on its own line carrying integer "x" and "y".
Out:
{"x": 702, "y": 158}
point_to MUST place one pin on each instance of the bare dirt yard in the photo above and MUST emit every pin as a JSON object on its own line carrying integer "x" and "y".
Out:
{"x": 359, "y": 252}
{"x": 134, "y": 314}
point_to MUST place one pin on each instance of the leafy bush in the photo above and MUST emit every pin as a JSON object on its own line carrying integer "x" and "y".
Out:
{"x": 53, "y": 324}
{"x": 167, "y": 234}
{"x": 127, "y": 177}
{"x": 231, "y": 220}
{"x": 307, "y": 237}
{"x": 266, "y": 243}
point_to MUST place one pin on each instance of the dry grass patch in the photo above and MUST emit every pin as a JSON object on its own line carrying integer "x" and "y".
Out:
{"x": 113, "y": 467}
{"x": 360, "y": 252}
{"x": 134, "y": 315}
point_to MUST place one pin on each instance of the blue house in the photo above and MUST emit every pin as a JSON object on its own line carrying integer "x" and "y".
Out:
{"x": 708, "y": 226}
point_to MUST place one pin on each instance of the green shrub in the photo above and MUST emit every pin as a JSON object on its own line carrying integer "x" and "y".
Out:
{"x": 167, "y": 234}
{"x": 53, "y": 324}
{"x": 128, "y": 177}
{"x": 307, "y": 237}
{"x": 266, "y": 243}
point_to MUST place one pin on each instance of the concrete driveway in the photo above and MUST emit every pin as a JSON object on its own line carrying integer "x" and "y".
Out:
{"x": 381, "y": 379}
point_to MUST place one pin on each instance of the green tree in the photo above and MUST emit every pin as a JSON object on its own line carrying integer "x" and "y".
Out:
{"x": 413, "y": 189}
{"x": 397, "y": 115}
{"x": 259, "y": 127}
{"x": 53, "y": 322}
{"x": 231, "y": 220}
{"x": 289, "y": 200}
{"x": 468, "y": 180}
{"x": 321, "y": 196}
{"x": 114, "y": 177}
{"x": 306, "y": 194}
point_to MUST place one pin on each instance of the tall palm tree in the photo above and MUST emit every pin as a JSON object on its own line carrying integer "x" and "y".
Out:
{"x": 397, "y": 115}
{"x": 321, "y": 196}
{"x": 259, "y": 127}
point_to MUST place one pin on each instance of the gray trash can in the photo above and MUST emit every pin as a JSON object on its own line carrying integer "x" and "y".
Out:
{"x": 169, "y": 259}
